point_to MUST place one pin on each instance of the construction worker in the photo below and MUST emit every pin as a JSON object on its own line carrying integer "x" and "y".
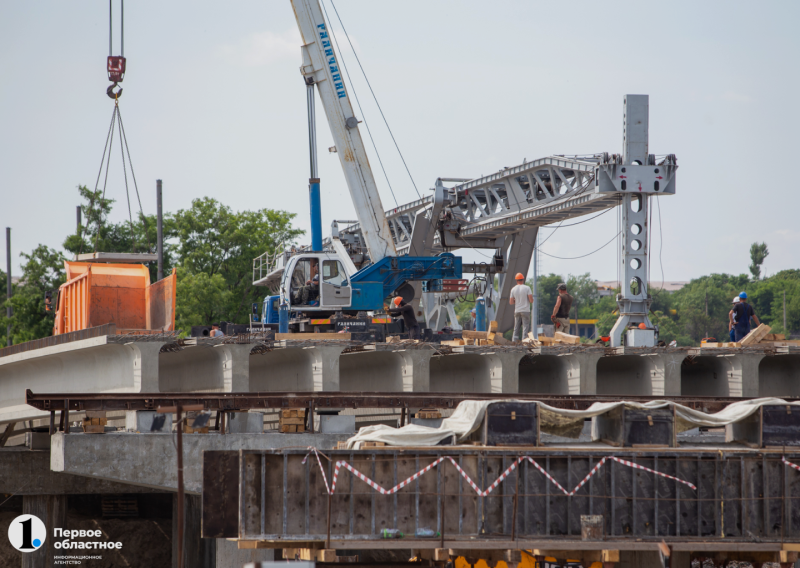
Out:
{"x": 215, "y": 331}
{"x": 409, "y": 319}
{"x": 470, "y": 325}
{"x": 560, "y": 315}
{"x": 732, "y": 320}
{"x": 742, "y": 314}
{"x": 521, "y": 298}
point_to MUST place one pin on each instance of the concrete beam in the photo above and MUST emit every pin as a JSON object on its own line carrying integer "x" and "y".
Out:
{"x": 26, "y": 472}
{"x": 149, "y": 460}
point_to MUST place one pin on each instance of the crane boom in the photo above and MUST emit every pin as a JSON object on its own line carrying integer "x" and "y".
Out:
{"x": 321, "y": 67}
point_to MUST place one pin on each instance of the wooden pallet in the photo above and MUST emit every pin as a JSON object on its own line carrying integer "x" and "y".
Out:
{"x": 292, "y": 420}
{"x": 429, "y": 413}
{"x": 95, "y": 422}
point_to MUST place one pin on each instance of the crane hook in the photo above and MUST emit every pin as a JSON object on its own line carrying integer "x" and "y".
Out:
{"x": 111, "y": 93}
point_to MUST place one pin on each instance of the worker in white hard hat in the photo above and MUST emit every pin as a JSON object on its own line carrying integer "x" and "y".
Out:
{"x": 470, "y": 325}
{"x": 521, "y": 298}
{"x": 401, "y": 308}
{"x": 732, "y": 319}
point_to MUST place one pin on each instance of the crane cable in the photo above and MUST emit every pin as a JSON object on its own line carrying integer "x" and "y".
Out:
{"x": 116, "y": 122}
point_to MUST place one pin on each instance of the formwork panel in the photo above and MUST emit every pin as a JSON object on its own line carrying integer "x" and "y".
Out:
{"x": 747, "y": 496}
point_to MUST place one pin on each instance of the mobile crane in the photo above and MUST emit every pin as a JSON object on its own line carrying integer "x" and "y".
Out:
{"x": 319, "y": 282}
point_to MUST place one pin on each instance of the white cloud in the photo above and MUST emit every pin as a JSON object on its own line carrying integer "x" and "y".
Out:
{"x": 263, "y": 48}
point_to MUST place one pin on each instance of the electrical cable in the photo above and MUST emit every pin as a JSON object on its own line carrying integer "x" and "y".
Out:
{"x": 376, "y": 99}
{"x": 584, "y": 221}
{"x": 583, "y": 255}
{"x": 363, "y": 116}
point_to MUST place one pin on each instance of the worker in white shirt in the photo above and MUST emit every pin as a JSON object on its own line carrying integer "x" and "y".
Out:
{"x": 521, "y": 298}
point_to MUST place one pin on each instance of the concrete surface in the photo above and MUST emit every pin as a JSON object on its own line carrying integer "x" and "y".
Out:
{"x": 150, "y": 460}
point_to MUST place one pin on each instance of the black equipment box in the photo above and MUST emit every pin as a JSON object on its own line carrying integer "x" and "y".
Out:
{"x": 780, "y": 425}
{"x": 510, "y": 424}
{"x": 631, "y": 427}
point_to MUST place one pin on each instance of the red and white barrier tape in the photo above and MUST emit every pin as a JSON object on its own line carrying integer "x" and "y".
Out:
{"x": 790, "y": 464}
{"x": 497, "y": 482}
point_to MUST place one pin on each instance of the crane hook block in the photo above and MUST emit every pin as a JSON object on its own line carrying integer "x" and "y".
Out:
{"x": 110, "y": 91}
{"x": 116, "y": 68}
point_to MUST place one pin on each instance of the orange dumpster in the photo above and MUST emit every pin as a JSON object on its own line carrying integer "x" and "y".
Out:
{"x": 100, "y": 293}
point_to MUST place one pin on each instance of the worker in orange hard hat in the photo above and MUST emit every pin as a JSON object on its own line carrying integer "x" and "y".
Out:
{"x": 521, "y": 298}
{"x": 560, "y": 315}
{"x": 401, "y": 308}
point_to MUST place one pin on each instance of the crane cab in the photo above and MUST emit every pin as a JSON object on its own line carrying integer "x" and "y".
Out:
{"x": 316, "y": 282}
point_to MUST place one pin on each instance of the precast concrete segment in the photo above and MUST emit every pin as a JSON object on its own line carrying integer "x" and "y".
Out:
{"x": 282, "y": 370}
{"x": 192, "y": 369}
{"x": 149, "y": 460}
{"x": 549, "y": 374}
{"x": 626, "y": 374}
{"x": 378, "y": 370}
{"x": 779, "y": 376}
{"x": 721, "y": 375}
{"x": 466, "y": 372}
{"x": 89, "y": 365}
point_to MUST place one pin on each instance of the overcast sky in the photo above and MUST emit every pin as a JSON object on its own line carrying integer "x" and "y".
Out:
{"x": 214, "y": 105}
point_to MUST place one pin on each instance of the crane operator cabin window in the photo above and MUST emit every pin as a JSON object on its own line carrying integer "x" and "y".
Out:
{"x": 333, "y": 273}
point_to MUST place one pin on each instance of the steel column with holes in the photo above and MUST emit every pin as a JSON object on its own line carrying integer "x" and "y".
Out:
{"x": 634, "y": 299}
{"x": 518, "y": 259}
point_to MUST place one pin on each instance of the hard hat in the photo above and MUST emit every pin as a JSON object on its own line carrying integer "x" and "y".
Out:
{"x": 642, "y": 325}
{"x": 397, "y": 300}
{"x": 736, "y": 300}
{"x": 743, "y": 295}
{"x": 472, "y": 311}
{"x": 562, "y": 286}
{"x": 519, "y": 276}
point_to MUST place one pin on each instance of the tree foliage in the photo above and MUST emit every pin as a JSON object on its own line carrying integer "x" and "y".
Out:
{"x": 212, "y": 247}
{"x": 758, "y": 254}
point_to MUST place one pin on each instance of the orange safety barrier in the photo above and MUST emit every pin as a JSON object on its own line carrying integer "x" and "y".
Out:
{"x": 100, "y": 293}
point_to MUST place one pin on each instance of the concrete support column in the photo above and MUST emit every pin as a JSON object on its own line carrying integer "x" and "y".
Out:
{"x": 52, "y": 510}
{"x": 657, "y": 370}
{"x": 671, "y": 363}
{"x": 229, "y": 555}
{"x": 417, "y": 370}
{"x": 144, "y": 360}
{"x": 325, "y": 369}
{"x": 197, "y": 552}
{"x": 235, "y": 367}
{"x": 586, "y": 382}
{"x": 504, "y": 371}
{"x": 750, "y": 378}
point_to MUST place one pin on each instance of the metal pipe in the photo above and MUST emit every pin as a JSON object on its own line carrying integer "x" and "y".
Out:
{"x": 480, "y": 314}
{"x": 78, "y": 217}
{"x": 180, "y": 488}
{"x": 160, "y": 231}
{"x": 9, "y": 312}
{"x": 313, "y": 182}
{"x": 535, "y": 307}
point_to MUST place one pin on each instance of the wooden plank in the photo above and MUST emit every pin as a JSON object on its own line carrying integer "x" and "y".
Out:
{"x": 295, "y": 421}
{"x": 500, "y": 340}
{"x": 317, "y": 336}
{"x": 493, "y": 326}
{"x": 467, "y": 334}
{"x": 756, "y": 335}
{"x": 89, "y": 429}
{"x": 566, "y": 338}
{"x": 453, "y": 343}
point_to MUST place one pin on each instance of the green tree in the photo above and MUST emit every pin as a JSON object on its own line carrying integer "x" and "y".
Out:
{"x": 97, "y": 234}
{"x": 217, "y": 241}
{"x": 758, "y": 253}
{"x": 201, "y": 299}
{"x": 43, "y": 271}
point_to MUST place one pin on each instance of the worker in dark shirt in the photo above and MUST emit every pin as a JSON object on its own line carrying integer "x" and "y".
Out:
{"x": 409, "y": 319}
{"x": 742, "y": 314}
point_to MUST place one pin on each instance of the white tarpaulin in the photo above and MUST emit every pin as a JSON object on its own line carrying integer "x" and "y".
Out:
{"x": 469, "y": 414}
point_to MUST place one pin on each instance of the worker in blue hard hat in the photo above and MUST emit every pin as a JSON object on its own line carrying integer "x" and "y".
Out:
{"x": 742, "y": 314}
{"x": 732, "y": 319}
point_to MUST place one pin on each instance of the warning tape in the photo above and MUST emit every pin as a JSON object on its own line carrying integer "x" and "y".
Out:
{"x": 483, "y": 493}
{"x": 790, "y": 464}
